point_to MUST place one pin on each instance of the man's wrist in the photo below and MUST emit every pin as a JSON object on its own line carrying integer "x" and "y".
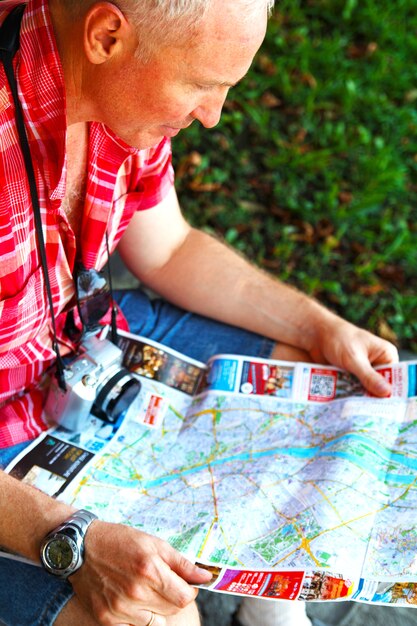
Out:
{"x": 316, "y": 326}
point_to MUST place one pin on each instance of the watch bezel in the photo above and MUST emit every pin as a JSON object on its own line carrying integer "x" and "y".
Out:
{"x": 76, "y": 560}
{"x": 72, "y": 531}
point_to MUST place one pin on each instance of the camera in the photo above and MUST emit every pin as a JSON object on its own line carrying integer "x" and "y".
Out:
{"x": 96, "y": 384}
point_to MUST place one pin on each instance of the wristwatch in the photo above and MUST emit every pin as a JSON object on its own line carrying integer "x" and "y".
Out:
{"x": 62, "y": 550}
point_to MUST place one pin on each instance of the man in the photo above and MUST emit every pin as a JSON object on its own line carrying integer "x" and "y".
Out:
{"x": 104, "y": 87}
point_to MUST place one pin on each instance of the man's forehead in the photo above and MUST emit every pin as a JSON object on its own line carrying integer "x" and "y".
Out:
{"x": 217, "y": 50}
{"x": 223, "y": 46}
{"x": 222, "y": 16}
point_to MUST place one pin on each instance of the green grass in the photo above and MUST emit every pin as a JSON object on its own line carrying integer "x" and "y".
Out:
{"x": 312, "y": 171}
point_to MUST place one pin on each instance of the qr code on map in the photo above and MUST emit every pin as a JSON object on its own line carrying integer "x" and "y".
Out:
{"x": 322, "y": 385}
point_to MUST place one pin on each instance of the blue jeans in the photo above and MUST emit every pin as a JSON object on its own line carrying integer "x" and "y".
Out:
{"x": 28, "y": 595}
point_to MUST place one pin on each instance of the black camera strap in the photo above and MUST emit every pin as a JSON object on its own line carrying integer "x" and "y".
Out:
{"x": 9, "y": 45}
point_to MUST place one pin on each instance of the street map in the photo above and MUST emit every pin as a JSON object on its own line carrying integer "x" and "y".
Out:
{"x": 286, "y": 480}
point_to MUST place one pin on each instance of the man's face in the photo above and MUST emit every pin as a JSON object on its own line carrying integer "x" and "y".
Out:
{"x": 146, "y": 102}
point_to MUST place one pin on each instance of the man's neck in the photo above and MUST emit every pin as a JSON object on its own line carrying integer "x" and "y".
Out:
{"x": 69, "y": 37}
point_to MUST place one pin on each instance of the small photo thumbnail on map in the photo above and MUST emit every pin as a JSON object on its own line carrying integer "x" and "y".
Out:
{"x": 321, "y": 585}
{"x": 43, "y": 479}
{"x": 221, "y": 374}
{"x": 266, "y": 379}
{"x": 50, "y": 465}
{"x": 215, "y": 571}
{"x": 154, "y": 363}
{"x": 396, "y": 593}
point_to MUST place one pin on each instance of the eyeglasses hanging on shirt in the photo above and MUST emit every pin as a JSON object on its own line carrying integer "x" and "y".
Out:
{"x": 94, "y": 293}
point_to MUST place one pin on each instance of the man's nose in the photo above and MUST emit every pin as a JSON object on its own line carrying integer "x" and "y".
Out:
{"x": 208, "y": 113}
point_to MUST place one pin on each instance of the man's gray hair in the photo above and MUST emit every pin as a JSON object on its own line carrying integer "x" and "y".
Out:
{"x": 170, "y": 21}
{"x": 164, "y": 22}
{"x": 177, "y": 9}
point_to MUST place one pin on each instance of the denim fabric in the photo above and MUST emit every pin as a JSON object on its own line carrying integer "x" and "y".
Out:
{"x": 198, "y": 337}
{"x": 28, "y": 595}
{"x": 8, "y": 454}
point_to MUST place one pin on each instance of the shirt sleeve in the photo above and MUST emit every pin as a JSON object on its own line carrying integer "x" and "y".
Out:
{"x": 143, "y": 181}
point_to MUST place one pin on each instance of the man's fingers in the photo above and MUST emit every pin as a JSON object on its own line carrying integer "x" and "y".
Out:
{"x": 187, "y": 570}
{"x": 389, "y": 354}
{"x": 169, "y": 590}
{"x": 146, "y": 618}
{"x": 377, "y": 385}
{"x": 363, "y": 353}
{"x": 149, "y": 618}
{"x": 171, "y": 577}
{"x": 373, "y": 381}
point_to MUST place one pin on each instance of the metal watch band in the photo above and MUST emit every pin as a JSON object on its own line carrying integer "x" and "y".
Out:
{"x": 80, "y": 519}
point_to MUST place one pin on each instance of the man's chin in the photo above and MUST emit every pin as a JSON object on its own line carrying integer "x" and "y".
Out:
{"x": 141, "y": 141}
{"x": 152, "y": 143}
{"x": 151, "y": 138}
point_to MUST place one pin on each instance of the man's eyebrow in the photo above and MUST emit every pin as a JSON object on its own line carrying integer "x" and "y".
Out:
{"x": 220, "y": 83}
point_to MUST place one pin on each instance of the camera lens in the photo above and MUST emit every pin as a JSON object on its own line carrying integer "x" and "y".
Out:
{"x": 116, "y": 395}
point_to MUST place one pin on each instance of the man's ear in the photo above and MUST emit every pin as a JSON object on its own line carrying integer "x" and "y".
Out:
{"x": 106, "y": 31}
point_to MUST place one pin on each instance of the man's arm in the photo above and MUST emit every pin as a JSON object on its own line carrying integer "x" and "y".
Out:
{"x": 200, "y": 274}
{"x": 125, "y": 571}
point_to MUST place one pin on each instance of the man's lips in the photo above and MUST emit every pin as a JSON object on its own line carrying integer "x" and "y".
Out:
{"x": 171, "y": 131}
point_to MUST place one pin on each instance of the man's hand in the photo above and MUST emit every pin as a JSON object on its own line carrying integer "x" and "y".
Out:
{"x": 128, "y": 573}
{"x": 355, "y": 350}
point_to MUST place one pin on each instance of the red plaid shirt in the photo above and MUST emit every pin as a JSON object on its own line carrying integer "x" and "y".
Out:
{"x": 121, "y": 180}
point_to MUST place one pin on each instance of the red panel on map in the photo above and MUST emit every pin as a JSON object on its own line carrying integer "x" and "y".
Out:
{"x": 284, "y": 585}
{"x": 155, "y": 406}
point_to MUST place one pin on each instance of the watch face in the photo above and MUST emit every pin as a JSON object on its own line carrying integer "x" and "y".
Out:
{"x": 60, "y": 553}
